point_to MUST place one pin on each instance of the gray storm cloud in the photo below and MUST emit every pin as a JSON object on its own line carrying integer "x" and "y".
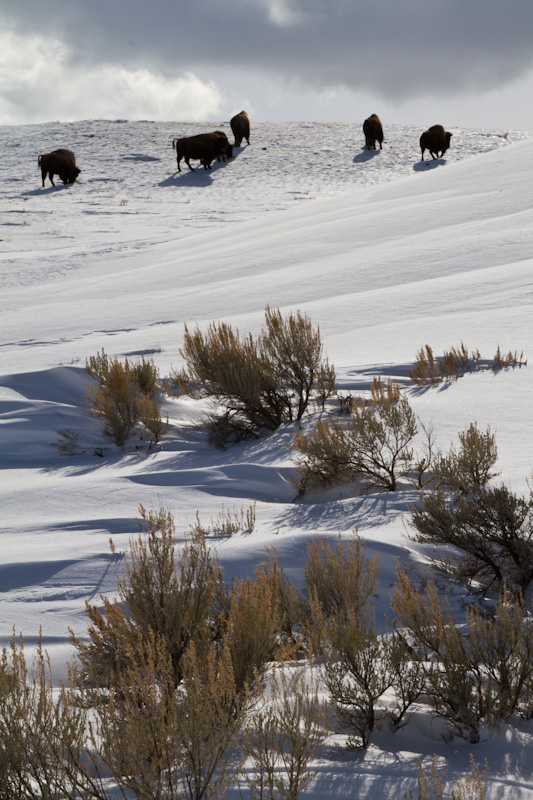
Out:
{"x": 397, "y": 48}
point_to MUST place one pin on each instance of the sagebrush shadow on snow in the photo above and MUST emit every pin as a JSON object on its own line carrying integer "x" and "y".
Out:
{"x": 268, "y": 484}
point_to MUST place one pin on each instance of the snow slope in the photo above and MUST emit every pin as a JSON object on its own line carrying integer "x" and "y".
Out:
{"x": 384, "y": 252}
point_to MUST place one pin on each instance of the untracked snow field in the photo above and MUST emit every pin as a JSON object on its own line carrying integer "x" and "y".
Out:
{"x": 384, "y": 252}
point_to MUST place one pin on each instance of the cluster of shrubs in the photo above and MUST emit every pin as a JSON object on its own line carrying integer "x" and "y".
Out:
{"x": 258, "y": 382}
{"x": 167, "y": 696}
{"x": 428, "y": 369}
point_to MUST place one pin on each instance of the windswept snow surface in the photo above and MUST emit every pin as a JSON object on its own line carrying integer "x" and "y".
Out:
{"x": 384, "y": 252}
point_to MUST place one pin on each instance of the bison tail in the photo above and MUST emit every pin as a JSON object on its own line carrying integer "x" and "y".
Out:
{"x": 39, "y": 161}
{"x": 174, "y": 144}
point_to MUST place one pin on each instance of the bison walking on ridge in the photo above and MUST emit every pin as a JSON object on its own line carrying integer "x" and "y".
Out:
{"x": 204, "y": 146}
{"x": 373, "y": 131}
{"x": 240, "y": 125}
{"x": 436, "y": 140}
{"x": 59, "y": 162}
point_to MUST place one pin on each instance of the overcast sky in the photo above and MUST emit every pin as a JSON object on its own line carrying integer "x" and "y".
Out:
{"x": 462, "y": 63}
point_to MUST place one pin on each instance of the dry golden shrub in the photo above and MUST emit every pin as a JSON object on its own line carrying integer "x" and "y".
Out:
{"x": 260, "y": 381}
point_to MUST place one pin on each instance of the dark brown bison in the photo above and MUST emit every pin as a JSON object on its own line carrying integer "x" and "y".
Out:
{"x": 228, "y": 147}
{"x": 59, "y": 162}
{"x": 373, "y": 131}
{"x": 204, "y": 146}
{"x": 240, "y": 125}
{"x": 436, "y": 140}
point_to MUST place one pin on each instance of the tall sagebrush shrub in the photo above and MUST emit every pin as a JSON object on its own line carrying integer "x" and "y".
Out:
{"x": 159, "y": 741}
{"x": 261, "y": 382}
{"x": 161, "y": 593}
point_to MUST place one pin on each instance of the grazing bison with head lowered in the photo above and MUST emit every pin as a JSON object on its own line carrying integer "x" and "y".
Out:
{"x": 204, "y": 146}
{"x": 373, "y": 131}
{"x": 59, "y": 162}
{"x": 240, "y": 125}
{"x": 436, "y": 140}
{"x": 228, "y": 147}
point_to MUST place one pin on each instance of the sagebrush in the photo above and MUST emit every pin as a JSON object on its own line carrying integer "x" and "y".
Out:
{"x": 124, "y": 398}
{"x": 260, "y": 382}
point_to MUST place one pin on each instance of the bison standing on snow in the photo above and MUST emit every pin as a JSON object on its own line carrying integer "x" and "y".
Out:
{"x": 240, "y": 125}
{"x": 59, "y": 162}
{"x": 436, "y": 140}
{"x": 204, "y": 146}
{"x": 373, "y": 131}
{"x": 227, "y": 152}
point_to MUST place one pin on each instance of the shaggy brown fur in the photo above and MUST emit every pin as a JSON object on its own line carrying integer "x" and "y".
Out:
{"x": 436, "y": 140}
{"x": 240, "y": 125}
{"x": 228, "y": 147}
{"x": 373, "y": 130}
{"x": 204, "y": 146}
{"x": 59, "y": 162}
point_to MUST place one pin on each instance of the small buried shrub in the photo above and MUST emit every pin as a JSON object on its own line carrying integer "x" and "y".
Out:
{"x": 228, "y": 522}
{"x": 69, "y": 443}
{"x": 260, "y": 382}
{"x": 124, "y": 397}
{"x": 510, "y": 359}
{"x": 429, "y": 370}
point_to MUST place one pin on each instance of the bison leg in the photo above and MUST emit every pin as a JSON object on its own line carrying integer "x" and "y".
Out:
{"x": 189, "y": 163}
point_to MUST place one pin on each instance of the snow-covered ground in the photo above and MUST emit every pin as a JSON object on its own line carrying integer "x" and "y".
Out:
{"x": 384, "y": 252}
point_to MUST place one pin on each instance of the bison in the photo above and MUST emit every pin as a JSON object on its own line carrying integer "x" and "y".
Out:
{"x": 240, "y": 125}
{"x": 373, "y": 131}
{"x": 204, "y": 146}
{"x": 228, "y": 147}
{"x": 59, "y": 162}
{"x": 436, "y": 140}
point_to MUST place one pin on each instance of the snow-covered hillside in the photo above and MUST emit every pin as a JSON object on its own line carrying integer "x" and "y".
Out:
{"x": 384, "y": 252}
